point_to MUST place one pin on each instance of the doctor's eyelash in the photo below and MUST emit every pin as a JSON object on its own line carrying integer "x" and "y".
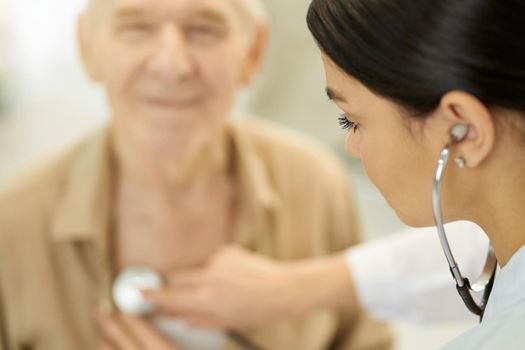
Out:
{"x": 347, "y": 124}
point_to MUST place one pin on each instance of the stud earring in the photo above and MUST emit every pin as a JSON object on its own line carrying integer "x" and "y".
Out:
{"x": 460, "y": 162}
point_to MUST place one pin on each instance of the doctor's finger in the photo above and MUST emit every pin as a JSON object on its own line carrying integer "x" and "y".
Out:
{"x": 188, "y": 277}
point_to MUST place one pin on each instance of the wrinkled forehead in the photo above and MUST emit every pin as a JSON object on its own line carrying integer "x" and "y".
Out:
{"x": 243, "y": 10}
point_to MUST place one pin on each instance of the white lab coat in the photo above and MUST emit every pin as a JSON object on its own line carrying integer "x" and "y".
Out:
{"x": 503, "y": 325}
{"x": 405, "y": 276}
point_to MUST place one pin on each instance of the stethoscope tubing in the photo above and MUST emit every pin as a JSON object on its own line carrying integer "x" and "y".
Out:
{"x": 485, "y": 282}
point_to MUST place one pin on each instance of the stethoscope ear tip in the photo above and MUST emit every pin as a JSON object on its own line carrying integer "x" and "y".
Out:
{"x": 459, "y": 132}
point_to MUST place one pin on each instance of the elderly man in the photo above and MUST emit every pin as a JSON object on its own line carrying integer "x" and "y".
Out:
{"x": 166, "y": 184}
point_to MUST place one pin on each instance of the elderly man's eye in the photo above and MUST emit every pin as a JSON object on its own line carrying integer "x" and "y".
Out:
{"x": 135, "y": 29}
{"x": 205, "y": 32}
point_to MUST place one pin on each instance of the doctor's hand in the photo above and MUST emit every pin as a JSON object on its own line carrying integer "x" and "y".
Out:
{"x": 123, "y": 332}
{"x": 238, "y": 289}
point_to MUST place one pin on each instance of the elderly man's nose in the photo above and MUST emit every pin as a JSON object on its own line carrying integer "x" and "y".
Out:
{"x": 172, "y": 58}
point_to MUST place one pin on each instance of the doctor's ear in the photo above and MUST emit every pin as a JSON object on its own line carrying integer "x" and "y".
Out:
{"x": 472, "y": 127}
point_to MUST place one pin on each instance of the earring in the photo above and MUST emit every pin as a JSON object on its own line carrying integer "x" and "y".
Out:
{"x": 460, "y": 162}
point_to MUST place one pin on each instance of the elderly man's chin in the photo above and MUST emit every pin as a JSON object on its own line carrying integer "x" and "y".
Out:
{"x": 164, "y": 137}
{"x": 175, "y": 142}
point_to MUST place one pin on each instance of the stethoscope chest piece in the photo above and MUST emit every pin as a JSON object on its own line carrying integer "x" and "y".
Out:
{"x": 127, "y": 289}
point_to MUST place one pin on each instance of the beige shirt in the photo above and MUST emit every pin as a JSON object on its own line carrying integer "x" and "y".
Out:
{"x": 55, "y": 265}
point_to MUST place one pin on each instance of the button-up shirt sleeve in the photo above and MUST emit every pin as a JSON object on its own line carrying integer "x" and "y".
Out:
{"x": 405, "y": 276}
{"x": 3, "y": 333}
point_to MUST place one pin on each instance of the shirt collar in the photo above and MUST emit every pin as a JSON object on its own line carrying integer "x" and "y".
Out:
{"x": 509, "y": 286}
{"x": 84, "y": 212}
{"x": 84, "y": 208}
{"x": 251, "y": 170}
{"x": 258, "y": 202}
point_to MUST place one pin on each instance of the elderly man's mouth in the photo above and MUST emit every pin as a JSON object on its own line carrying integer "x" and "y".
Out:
{"x": 169, "y": 102}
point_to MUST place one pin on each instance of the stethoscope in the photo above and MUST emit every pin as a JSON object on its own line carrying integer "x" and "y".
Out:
{"x": 486, "y": 280}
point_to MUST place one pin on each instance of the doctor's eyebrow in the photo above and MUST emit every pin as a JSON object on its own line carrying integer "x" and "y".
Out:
{"x": 334, "y": 95}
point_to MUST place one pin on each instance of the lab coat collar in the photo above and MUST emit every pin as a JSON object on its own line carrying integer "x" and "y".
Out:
{"x": 509, "y": 287}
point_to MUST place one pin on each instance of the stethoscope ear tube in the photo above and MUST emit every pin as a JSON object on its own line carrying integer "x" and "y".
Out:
{"x": 486, "y": 281}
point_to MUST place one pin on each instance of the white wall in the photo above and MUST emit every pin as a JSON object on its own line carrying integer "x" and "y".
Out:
{"x": 43, "y": 60}
{"x": 50, "y": 101}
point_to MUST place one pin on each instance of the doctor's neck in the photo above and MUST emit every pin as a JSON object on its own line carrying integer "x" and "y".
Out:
{"x": 500, "y": 206}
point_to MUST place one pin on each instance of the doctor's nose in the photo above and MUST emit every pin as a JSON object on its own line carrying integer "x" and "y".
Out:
{"x": 172, "y": 57}
{"x": 353, "y": 143}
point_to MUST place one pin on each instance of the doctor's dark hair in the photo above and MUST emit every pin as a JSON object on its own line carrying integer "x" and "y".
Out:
{"x": 414, "y": 51}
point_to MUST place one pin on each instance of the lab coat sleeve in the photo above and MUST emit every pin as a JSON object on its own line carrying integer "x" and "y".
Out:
{"x": 405, "y": 276}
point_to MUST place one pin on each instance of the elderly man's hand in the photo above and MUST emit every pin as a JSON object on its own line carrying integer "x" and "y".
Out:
{"x": 123, "y": 332}
{"x": 238, "y": 289}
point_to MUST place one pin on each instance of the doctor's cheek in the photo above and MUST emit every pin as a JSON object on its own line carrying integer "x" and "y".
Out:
{"x": 353, "y": 143}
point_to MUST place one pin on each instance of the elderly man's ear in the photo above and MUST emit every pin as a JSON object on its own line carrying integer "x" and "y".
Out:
{"x": 255, "y": 56}
{"x": 86, "y": 47}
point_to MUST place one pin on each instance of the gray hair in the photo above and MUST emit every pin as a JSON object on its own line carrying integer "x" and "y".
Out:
{"x": 256, "y": 8}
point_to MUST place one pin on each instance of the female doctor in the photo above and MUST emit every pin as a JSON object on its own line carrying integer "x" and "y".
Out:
{"x": 433, "y": 95}
{"x": 422, "y": 82}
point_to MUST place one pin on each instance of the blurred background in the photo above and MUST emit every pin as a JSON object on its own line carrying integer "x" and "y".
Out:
{"x": 46, "y": 102}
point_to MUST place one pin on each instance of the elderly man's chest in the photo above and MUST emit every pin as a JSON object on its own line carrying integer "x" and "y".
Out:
{"x": 169, "y": 239}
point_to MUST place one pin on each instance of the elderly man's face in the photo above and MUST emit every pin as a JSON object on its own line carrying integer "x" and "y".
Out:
{"x": 171, "y": 68}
